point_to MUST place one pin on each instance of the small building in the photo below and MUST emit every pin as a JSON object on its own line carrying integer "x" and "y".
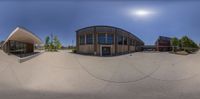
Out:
{"x": 163, "y": 44}
{"x": 106, "y": 41}
{"x": 20, "y": 41}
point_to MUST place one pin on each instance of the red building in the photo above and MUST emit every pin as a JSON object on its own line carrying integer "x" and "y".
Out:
{"x": 163, "y": 44}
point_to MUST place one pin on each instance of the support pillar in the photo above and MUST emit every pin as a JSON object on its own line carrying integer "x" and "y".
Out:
{"x": 95, "y": 41}
{"x": 115, "y": 41}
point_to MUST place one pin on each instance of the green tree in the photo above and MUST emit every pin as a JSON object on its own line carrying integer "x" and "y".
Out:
{"x": 51, "y": 47}
{"x": 193, "y": 44}
{"x": 174, "y": 43}
{"x": 188, "y": 44}
{"x": 57, "y": 43}
{"x": 185, "y": 42}
{"x": 52, "y": 43}
{"x": 47, "y": 42}
{"x": 180, "y": 44}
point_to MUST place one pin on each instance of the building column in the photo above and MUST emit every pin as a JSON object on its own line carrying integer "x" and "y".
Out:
{"x": 123, "y": 45}
{"x": 8, "y": 47}
{"x": 135, "y": 46}
{"x": 85, "y": 38}
{"x": 95, "y": 41}
{"x": 106, "y": 34}
{"x": 115, "y": 41}
{"x": 128, "y": 44}
{"x": 77, "y": 42}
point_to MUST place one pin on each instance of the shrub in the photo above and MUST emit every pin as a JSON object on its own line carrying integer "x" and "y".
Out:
{"x": 74, "y": 50}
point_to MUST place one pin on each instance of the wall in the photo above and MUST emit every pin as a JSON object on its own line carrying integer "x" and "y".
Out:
{"x": 132, "y": 48}
{"x": 122, "y": 49}
{"x": 86, "y": 49}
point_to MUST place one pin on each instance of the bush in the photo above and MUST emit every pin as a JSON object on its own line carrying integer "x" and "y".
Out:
{"x": 74, "y": 50}
{"x": 188, "y": 51}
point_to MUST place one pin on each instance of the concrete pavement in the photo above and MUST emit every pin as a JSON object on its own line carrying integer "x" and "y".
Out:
{"x": 64, "y": 75}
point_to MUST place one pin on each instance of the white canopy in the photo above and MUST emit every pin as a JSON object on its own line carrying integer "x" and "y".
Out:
{"x": 22, "y": 35}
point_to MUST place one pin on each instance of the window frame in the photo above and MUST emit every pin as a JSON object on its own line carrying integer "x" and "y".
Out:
{"x": 89, "y": 38}
{"x": 110, "y": 37}
{"x": 82, "y": 39}
{"x": 120, "y": 40}
{"x": 101, "y": 38}
{"x": 125, "y": 40}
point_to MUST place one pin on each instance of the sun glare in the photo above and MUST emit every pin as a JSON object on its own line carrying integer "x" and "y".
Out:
{"x": 141, "y": 13}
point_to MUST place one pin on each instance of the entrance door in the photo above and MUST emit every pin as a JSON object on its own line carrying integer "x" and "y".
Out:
{"x": 106, "y": 51}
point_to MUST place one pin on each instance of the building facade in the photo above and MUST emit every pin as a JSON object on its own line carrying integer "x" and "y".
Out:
{"x": 106, "y": 41}
{"x": 163, "y": 44}
{"x": 20, "y": 41}
{"x": 149, "y": 48}
{"x": 1, "y": 43}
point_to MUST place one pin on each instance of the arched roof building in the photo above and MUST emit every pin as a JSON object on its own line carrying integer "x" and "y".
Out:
{"x": 106, "y": 40}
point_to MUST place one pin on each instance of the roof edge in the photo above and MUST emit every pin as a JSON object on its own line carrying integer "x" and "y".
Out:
{"x": 110, "y": 27}
{"x": 23, "y": 29}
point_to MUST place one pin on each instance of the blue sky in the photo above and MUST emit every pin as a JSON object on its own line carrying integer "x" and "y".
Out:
{"x": 63, "y": 18}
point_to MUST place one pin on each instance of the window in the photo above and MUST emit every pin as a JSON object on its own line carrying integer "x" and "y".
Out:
{"x": 130, "y": 41}
{"x": 125, "y": 40}
{"x": 110, "y": 39}
{"x": 12, "y": 45}
{"x": 82, "y": 39}
{"x": 120, "y": 40}
{"x": 17, "y": 47}
{"x": 101, "y": 38}
{"x": 89, "y": 39}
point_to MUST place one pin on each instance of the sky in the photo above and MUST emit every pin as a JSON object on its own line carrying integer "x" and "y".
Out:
{"x": 145, "y": 19}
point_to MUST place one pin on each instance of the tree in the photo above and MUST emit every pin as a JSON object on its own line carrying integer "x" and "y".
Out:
{"x": 174, "y": 43}
{"x": 51, "y": 47}
{"x": 188, "y": 44}
{"x": 47, "y": 39}
{"x": 57, "y": 43}
{"x": 52, "y": 43}
{"x": 185, "y": 42}
{"x": 180, "y": 44}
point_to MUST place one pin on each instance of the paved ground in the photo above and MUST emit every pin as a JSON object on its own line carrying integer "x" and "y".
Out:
{"x": 64, "y": 75}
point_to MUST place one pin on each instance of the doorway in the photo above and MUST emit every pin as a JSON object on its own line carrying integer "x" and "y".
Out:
{"x": 106, "y": 51}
